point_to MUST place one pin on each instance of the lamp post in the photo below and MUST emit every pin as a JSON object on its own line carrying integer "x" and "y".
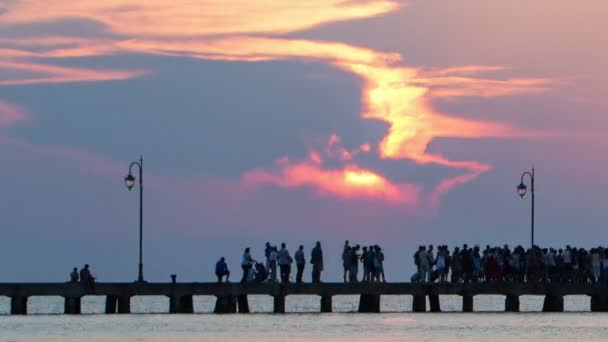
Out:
{"x": 130, "y": 183}
{"x": 522, "y": 188}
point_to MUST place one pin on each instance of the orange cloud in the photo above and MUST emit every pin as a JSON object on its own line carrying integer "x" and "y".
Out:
{"x": 350, "y": 182}
{"x": 244, "y": 30}
{"x": 58, "y": 74}
{"x": 195, "y": 18}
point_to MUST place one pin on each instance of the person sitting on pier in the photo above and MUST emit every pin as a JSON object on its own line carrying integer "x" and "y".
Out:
{"x": 86, "y": 278}
{"x": 316, "y": 259}
{"x": 74, "y": 276}
{"x": 300, "y": 263}
{"x": 285, "y": 262}
{"x": 261, "y": 274}
{"x": 246, "y": 264}
{"x": 221, "y": 270}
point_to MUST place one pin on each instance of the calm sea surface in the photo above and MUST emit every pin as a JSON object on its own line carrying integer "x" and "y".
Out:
{"x": 304, "y": 324}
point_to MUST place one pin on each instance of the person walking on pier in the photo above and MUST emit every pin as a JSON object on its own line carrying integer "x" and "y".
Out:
{"x": 246, "y": 264}
{"x": 285, "y": 262}
{"x": 316, "y": 259}
{"x": 346, "y": 261}
{"x": 74, "y": 275}
{"x": 300, "y": 263}
{"x": 221, "y": 270}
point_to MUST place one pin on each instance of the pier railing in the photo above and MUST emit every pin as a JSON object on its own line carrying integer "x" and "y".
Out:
{"x": 232, "y": 297}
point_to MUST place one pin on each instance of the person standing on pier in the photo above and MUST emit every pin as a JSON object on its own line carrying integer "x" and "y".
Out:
{"x": 346, "y": 261}
{"x": 300, "y": 263}
{"x": 354, "y": 263}
{"x": 285, "y": 263}
{"x": 316, "y": 259}
{"x": 246, "y": 264}
{"x": 273, "y": 257}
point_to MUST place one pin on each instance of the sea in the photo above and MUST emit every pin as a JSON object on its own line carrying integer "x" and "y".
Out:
{"x": 150, "y": 321}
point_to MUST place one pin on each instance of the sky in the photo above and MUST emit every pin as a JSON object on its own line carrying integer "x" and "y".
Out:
{"x": 387, "y": 122}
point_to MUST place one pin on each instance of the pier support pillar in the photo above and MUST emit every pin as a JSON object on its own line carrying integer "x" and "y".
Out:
{"x": 326, "y": 304}
{"x": 111, "y": 302}
{"x": 434, "y": 302}
{"x": 225, "y": 305}
{"x": 19, "y": 305}
{"x": 599, "y": 303}
{"x": 467, "y": 303}
{"x": 512, "y": 303}
{"x": 243, "y": 304}
{"x": 419, "y": 304}
{"x": 72, "y": 305}
{"x": 279, "y": 304}
{"x": 181, "y": 304}
{"x": 124, "y": 304}
{"x": 553, "y": 303}
{"x": 369, "y": 303}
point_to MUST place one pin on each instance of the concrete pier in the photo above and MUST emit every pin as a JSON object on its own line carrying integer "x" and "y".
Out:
{"x": 369, "y": 303}
{"x": 512, "y": 303}
{"x": 233, "y": 297}
{"x": 72, "y": 305}
{"x": 553, "y": 303}
{"x": 326, "y": 304}
{"x": 419, "y": 303}
{"x": 467, "y": 303}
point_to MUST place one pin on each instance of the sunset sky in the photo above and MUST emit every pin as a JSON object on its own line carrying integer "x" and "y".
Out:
{"x": 385, "y": 122}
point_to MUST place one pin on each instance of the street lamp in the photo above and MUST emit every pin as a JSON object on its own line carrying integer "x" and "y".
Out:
{"x": 130, "y": 183}
{"x": 522, "y": 189}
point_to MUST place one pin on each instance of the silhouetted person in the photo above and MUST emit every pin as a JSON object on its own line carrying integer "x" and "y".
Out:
{"x": 74, "y": 276}
{"x": 221, "y": 270}
{"x": 316, "y": 259}
{"x": 346, "y": 260}
{"x": 300, "y": 263}
{"x": 246, "y": 264}
{"x": 86, "y": 278}
{"x": 284, "y": 263}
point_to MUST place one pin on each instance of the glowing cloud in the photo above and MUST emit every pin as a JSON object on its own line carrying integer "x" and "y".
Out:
{"x": 244, "y": 30}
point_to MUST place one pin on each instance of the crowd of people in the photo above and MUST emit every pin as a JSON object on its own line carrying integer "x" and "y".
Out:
{"x": 371, "y": 258}
{"x": 466, "y": 264}
{"x": 275, "y": 259}
{"x": 462, "y": 265}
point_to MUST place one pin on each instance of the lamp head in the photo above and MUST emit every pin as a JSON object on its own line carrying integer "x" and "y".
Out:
{"x": 130, "y": 181}
{"x": 522, "y": 189}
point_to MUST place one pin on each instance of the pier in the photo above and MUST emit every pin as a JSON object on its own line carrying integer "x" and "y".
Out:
{"x": 232, "y": 297}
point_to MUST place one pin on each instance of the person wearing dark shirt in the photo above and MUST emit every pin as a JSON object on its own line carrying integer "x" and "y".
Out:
{"x": 316, "y": 259}
{"x": 300, "y": 262}
{"x": 74, "y": 275}
{"x": 221, "y": 270}
{"x": 86, "y": 278}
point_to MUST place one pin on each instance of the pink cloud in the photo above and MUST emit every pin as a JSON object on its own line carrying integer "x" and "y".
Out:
{"x": 11, "y": 114}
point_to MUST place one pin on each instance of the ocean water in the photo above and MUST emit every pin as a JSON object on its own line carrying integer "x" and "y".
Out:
{"x": 303, "y": 322}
